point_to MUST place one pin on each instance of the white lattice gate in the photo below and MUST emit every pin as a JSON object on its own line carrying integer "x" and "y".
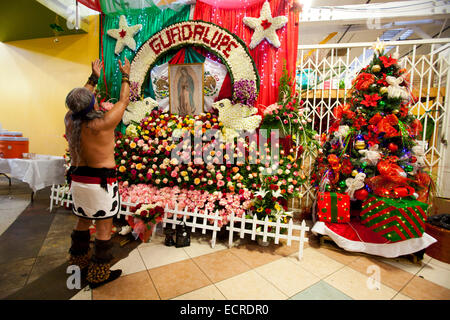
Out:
{"x": 324, "y": 76}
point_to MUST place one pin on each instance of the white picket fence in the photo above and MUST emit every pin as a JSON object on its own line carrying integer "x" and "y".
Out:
{"x": 194, "y": 224}
{"x": 265, "y": 224}
{"x": 60, "y": 195}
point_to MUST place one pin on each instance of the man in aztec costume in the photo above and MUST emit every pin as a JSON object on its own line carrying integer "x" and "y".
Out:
{"x": 92, "y": 175}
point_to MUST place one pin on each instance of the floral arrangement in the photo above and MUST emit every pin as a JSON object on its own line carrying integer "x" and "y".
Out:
{"x": 144, "y": 218}
{"x": 244, "y": 92}
{"x": 290, "y": 117}
{"x": 153, "y": 168}
{"x": 235, "y": 54}
{"x": 224, "y": 203}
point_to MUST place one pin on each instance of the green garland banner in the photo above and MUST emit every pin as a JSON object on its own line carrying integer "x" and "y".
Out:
{"x": 152, "y": 19}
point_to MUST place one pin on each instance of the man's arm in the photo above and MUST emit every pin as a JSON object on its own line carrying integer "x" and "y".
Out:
{"x": 97, "y": 66}
{"x": 113, "y": 117}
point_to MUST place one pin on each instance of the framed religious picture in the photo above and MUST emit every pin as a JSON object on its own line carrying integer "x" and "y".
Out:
{"x": 186, "y": 89}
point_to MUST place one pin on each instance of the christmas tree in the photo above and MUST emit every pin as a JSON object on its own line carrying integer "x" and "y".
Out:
{"x": 371, "y": 147}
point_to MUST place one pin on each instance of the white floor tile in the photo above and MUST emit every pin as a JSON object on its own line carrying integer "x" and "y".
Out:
{"x": 131, "y": 264}
{"x": 83, "y": 294}
{"x": 435, "y": 273}
{"x": 157, "y": 254}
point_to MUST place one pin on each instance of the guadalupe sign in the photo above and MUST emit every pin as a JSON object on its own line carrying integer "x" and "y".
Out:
{"x": 232, "y": 50}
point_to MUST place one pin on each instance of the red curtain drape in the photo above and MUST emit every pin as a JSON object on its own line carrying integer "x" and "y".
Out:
{"x": 92, "y": 4}
{"x": 269, "y": 60}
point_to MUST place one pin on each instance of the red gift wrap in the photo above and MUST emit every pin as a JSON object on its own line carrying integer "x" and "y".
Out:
{"x": 333, "y": 207}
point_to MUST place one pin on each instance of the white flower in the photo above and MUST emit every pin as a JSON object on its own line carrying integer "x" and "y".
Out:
{"x": 277, "y": 193}
{"x": 261, "y": 192}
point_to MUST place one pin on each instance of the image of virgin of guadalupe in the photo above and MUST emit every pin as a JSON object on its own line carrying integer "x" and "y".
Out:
{"x": 185, "y": 88}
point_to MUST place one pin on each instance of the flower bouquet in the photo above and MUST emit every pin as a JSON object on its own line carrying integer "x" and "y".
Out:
{"x": 144, "y": 220}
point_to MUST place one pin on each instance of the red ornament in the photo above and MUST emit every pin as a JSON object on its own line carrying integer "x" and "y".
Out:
{"x": 393, "y": 147}
{"x": 361, "y": 194}
{"x": 413, "y": 159}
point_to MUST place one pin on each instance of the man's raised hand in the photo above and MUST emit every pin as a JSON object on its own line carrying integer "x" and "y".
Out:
{"x": 97, "y": 66}
{"x": 125, "y": 68}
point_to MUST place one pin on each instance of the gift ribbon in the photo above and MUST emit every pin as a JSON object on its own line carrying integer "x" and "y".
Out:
{"x": 334, "y": 207}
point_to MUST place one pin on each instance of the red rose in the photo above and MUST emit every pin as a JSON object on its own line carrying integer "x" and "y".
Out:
{"x": 144, "y": 213}
{"x": 268, "y": 210}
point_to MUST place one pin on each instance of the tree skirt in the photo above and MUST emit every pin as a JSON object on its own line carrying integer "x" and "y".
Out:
{"x": 353, "y": 236}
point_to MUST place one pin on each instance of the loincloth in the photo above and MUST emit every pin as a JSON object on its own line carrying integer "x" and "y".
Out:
{"x": 95, "y": 192}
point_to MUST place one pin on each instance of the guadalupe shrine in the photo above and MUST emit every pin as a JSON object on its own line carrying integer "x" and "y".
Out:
{"x": 223, "y": 123}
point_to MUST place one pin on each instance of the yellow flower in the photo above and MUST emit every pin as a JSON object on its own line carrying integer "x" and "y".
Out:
{"x": 277, "y": 207}
{"x": 197, "y": 181}
{"x": 184, "y": 173}
{"x": 133, "y": 145}
{"x": 146, "y": 132}
{"x": 260, "y": 209}
{"x": 139, "y": 166}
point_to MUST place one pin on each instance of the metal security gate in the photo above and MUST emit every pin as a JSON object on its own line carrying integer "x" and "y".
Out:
{"x": 325, "y": 74}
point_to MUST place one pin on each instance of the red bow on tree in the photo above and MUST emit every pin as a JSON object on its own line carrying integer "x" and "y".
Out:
{"x": 386, "y": 125}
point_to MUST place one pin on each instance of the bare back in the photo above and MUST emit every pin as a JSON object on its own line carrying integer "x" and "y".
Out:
{"x": 97, "y": 144}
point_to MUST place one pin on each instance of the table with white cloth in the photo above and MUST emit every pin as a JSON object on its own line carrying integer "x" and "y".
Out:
{"x": 40, "y": 172}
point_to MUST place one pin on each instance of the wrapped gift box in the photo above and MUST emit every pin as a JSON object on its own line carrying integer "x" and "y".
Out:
{"x": 394, "y": 219}
{"x": 333, "y": 207}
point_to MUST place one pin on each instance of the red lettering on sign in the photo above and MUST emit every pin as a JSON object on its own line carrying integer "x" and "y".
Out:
{"x": 188, "y": 28}
{"x": 198, "y": 31}
{"x": 175, "y": 33}
{"x": 226, "y": 52}
{"x": 169, "y": 43}
{"x": 205, "y": 37}
{"x": 216, "y": 39}
{"x": 225, "y": 40}
{"x": 156, "y": 47}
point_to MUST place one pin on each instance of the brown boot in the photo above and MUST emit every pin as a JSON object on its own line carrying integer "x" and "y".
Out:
{"x": 99, "y": 271}
{"x": 79, "y": 250}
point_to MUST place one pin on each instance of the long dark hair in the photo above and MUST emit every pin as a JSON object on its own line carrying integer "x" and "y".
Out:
{"x": 77, "y": 100}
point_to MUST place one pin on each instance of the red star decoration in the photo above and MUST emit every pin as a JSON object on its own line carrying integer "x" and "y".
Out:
{"x": 266, "y": 24}
{"x": 122, "y": 33}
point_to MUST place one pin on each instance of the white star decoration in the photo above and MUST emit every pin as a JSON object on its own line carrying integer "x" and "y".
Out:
{"x": 265, "y": 27}
{"x": 124, "y": 35}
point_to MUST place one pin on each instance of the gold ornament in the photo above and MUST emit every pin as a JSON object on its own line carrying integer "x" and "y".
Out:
{"x": 395, "y": 111}
{"x": 360, "y": 144}
{"x": 384, "y": 90}
{"x": 354, "y": 173}
{"x": 376, "y": 68}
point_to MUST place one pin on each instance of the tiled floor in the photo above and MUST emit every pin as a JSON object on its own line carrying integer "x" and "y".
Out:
{"x": 33, "y": 262}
